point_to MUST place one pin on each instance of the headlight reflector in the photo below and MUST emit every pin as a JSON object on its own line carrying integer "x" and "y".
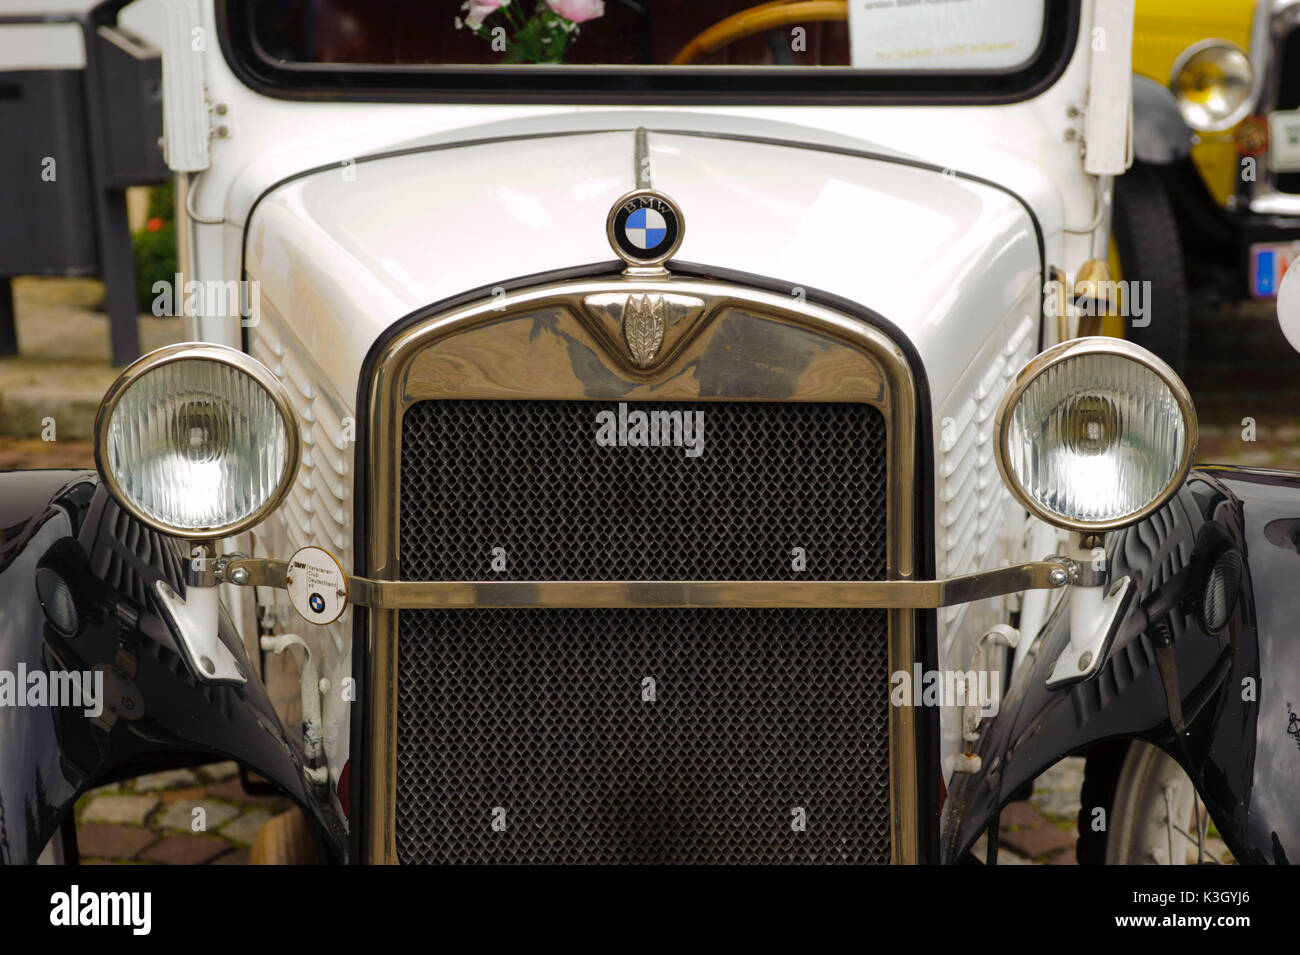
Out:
{"x": 197, "y": 440}
{"x": 1212, "y": 81}
{"x": 1095, "y": 434}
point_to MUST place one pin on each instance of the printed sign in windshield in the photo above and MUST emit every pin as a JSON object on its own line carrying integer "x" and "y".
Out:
{"x": 944, "y": 34}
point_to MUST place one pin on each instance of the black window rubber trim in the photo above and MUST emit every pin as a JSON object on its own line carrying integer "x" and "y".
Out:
{"x": 256, "y": 69}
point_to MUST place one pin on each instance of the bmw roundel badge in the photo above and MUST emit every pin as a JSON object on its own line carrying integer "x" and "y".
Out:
{"x": 645, "y": 228}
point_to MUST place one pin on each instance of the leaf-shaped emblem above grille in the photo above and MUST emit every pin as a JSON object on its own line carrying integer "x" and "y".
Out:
{"x": 643, "y": 327}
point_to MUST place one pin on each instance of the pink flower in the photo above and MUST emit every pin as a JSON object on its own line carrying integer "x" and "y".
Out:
{"x": 578, "y": 11}
{"x": 476, "y": 11}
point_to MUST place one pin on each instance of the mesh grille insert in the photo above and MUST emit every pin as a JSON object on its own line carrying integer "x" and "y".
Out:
{"x": 539, "y": 716}
{"x": 528, "y": 476}
{"x": 757, "y": 713}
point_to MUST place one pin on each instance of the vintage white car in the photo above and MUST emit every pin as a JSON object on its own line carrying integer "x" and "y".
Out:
{"x": 664, "y": 432}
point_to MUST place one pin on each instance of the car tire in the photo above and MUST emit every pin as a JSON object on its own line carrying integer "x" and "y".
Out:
{"x": 1100, "y": 776}
{"x": 1129, "y": 781}
{"x": 1149, "y": 250}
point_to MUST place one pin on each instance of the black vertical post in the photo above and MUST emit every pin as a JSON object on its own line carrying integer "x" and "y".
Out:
{"x": 8, "y": 331}
{"x": 112, "y": 233}
{"x": 117, "y": 268}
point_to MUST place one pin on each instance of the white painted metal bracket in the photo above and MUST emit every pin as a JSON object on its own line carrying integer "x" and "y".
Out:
{"x": 185, "y": 110}
{"x": 1108, "y": 125}
{"x": 193, "y": 621}
{"x": 1095, "y": 616}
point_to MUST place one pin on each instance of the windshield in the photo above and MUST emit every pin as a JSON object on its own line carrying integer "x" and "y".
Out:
{"x": 351, "y": 43}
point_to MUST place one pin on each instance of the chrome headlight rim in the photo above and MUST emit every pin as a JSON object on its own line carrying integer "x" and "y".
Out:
{"x": 1185, "y": 57}
{"x": 203, "y": 351}
{"x": 1066, "y": 351}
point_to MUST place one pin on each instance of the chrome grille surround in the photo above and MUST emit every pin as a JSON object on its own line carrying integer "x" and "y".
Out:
{"x": 543, "y": 343}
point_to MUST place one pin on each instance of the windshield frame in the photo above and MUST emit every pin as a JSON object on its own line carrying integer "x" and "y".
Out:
{"x": 679, "y": 85}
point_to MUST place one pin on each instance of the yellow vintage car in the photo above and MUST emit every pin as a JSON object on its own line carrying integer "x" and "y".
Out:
{"x": 1163, "y": 33}
{"x": 1211, "y": 206}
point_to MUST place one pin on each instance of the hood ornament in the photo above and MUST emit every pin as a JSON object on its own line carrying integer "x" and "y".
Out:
{"x": 645, "y": 228}
{"x": 643, "y": 328}
{"x": 652, "y": 324}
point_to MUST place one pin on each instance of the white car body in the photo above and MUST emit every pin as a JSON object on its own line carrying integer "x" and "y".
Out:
{"x": 343, "y": 241}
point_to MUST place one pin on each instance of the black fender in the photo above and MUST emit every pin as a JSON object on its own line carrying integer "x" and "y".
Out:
{"x": 156, "y": 711}
{"x": 1227, "y": 709}
{"x": 1160, "y": 134}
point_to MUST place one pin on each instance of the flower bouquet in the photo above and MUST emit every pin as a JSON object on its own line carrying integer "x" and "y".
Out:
{"x": 540, "y": 37}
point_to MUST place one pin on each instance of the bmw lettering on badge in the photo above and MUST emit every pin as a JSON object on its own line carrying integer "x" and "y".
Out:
{"x": 645, "y": 228}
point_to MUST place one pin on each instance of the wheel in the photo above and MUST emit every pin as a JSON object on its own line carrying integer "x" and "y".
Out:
{"x": 1153, "y": 814}
{"x": 1146, "y": 248}
{"x": 1101, "y": 773}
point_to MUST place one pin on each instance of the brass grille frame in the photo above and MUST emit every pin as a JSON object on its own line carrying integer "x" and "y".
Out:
{"x": 547, "y": 342}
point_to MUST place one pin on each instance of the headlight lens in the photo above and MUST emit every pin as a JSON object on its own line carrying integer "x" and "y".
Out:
{"x": 197, "y": 440}
{"x": 1095, "y": 434}
{"x": 1212, "y": 81}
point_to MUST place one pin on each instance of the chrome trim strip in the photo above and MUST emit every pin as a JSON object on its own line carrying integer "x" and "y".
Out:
{"x": 530, "y": 594}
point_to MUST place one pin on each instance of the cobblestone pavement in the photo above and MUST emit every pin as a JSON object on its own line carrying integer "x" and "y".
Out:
{"x": 1243, "y": 376}
{"x": 177, "y": 817}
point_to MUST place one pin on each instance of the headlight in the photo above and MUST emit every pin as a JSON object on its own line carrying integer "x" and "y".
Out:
{"x": 1095, "y": 434}
{"x": 1212, "y": 81}
{"x": 198, "y": 441}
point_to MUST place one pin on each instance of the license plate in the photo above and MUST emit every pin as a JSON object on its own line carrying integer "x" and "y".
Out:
{"x": 1268, "y": 263}
{"x": 1284, "y": 141}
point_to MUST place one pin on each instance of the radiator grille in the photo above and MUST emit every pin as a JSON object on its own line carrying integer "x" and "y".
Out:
{"x": 538, "y": 720}
{"x": 757, "y": 714}
{"x": 527, "y": 476}
{"x": 1288, "y": 93}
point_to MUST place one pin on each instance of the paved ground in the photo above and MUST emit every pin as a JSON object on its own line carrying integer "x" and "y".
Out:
{"x": 1245, "y": 380}
{"x": 1243, "y": 376}
{"x": 49, "y": 393}
{"x": 178, "y": 817}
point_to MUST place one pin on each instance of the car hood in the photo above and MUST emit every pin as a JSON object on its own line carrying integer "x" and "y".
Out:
{"x": 343, "y": 253}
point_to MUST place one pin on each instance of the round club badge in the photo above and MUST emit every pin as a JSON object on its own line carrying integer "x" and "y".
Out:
{"x": 317, "y": 585}
{"x": 645, "y": 228}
